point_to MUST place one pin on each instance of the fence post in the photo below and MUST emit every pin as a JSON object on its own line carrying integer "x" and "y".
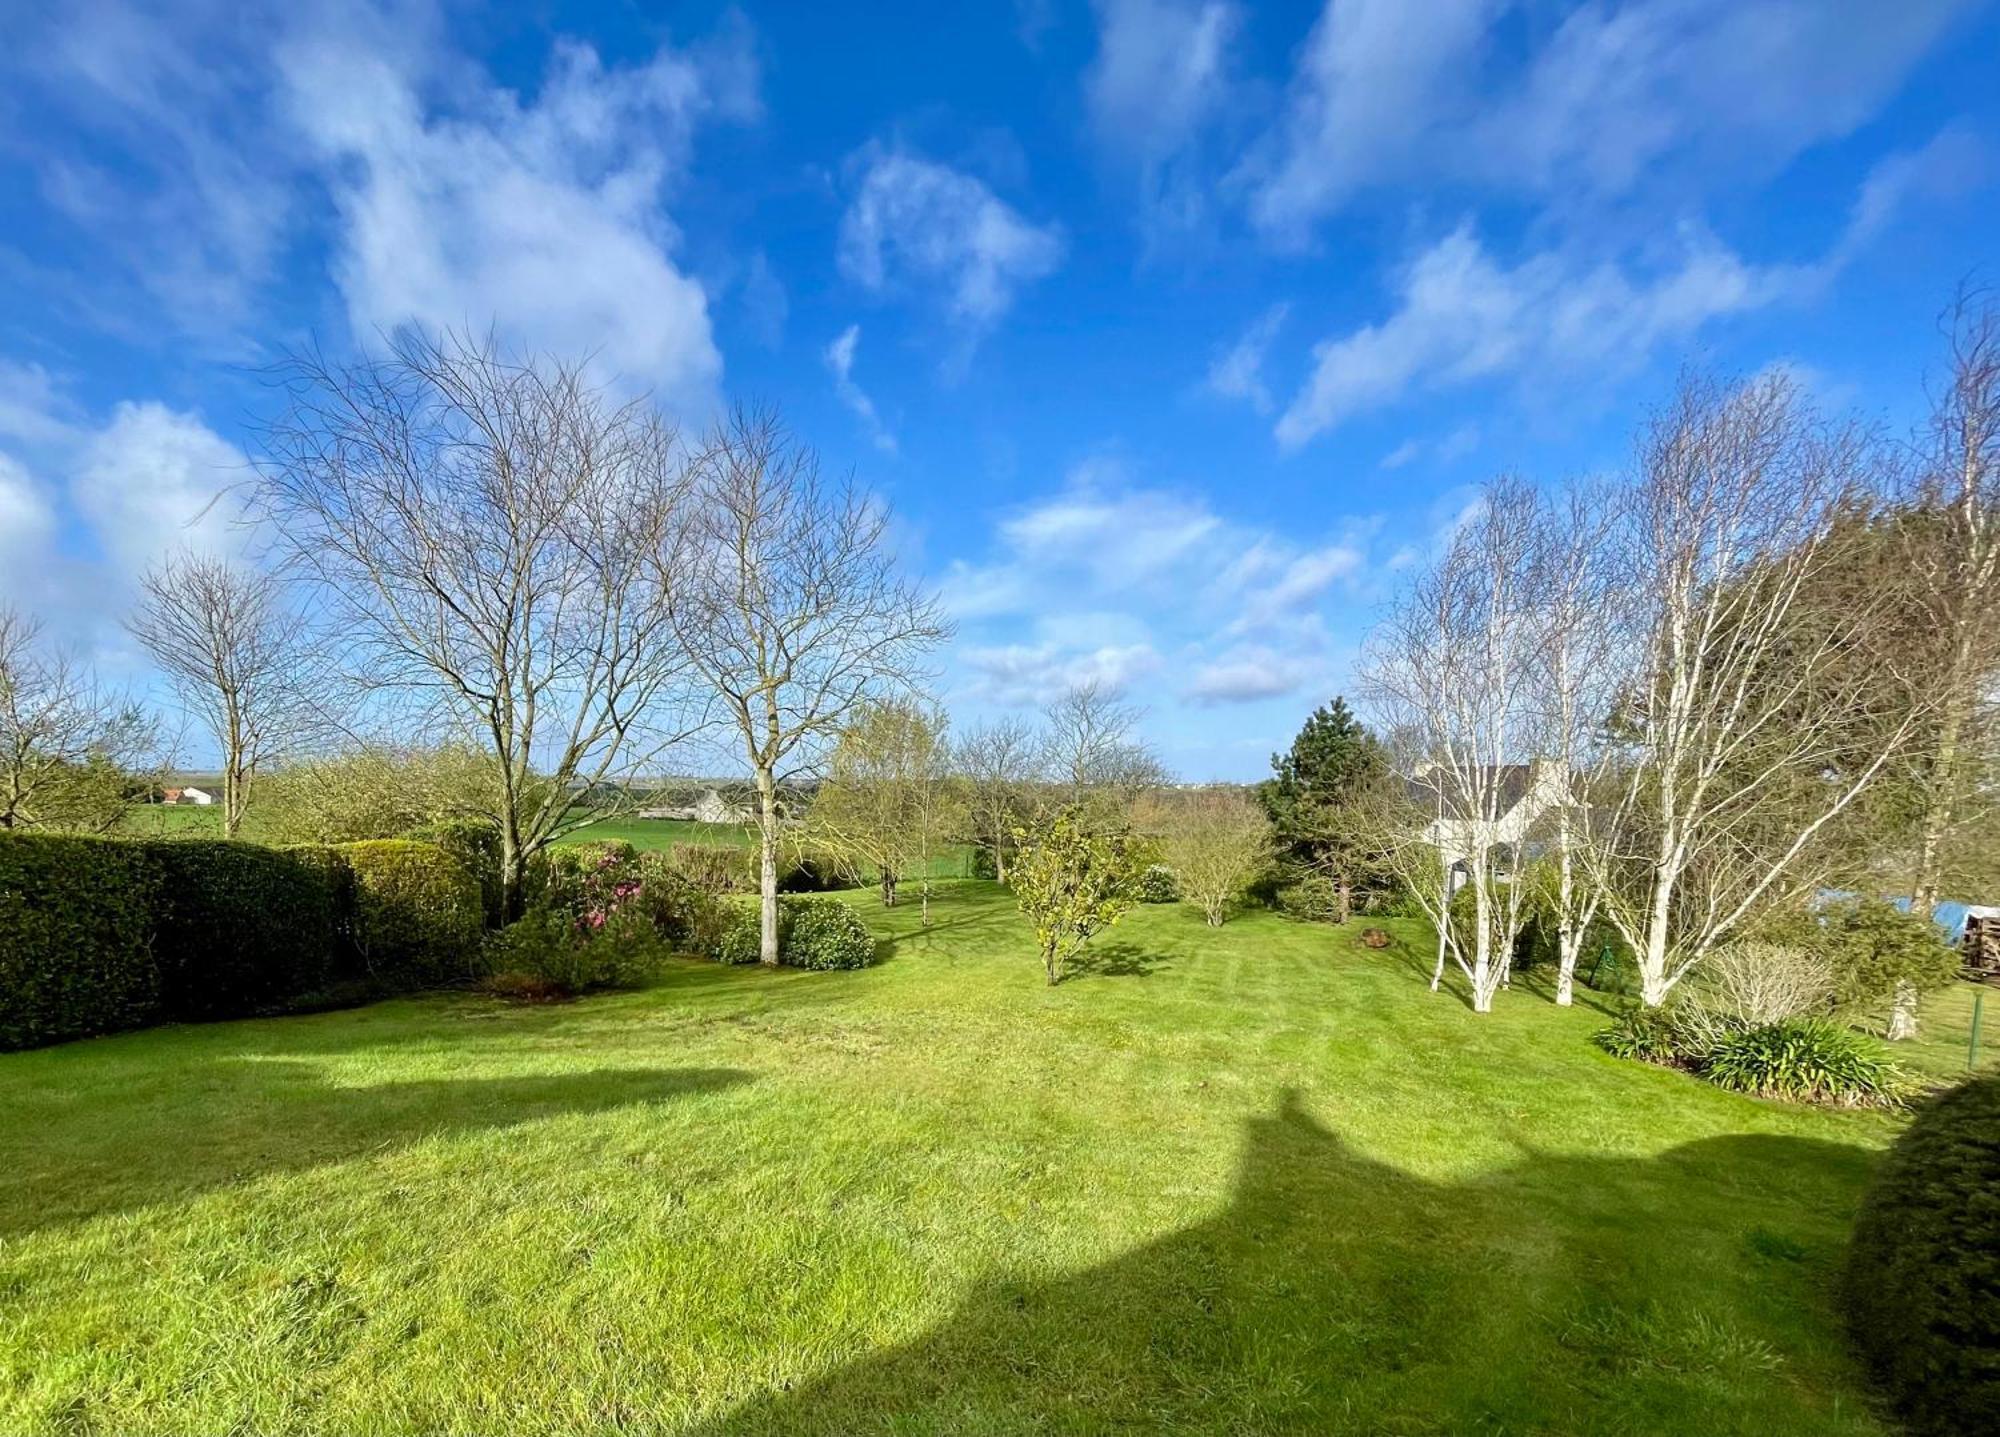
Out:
{"x": 1972, "y": 1043}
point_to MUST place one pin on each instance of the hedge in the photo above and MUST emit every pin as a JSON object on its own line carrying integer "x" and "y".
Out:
{"x": 417, "y": 912}
{"x": 75, "y": 938}
{"x": 475, "y": 843}
{"x": 103, "y": 934}
{"x": 1923, "y": 1274}
{"x": 239, "y": 928}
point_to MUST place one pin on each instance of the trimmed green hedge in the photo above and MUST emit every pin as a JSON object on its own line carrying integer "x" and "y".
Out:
{"x": 1923, "y": 1274}
{"x": 103, "y": 934}
{"x": 238, "y": 928}
{"x": 417, "y": 912}
{"x": 475, "y": 843}
{"x": 75, "y": 938}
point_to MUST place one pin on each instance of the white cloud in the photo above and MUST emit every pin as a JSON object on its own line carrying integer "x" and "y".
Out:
{"x": 1238, "y": 372}
{"x": 542, "y": 218}
{"x": 27, "y": 520}
{"x": 1161, "y": 76}
{"x": 155, "y": 479}
{"x": 839, "y": 358}
{"x": 1106, "y": 578}
{"x": 921, "y": 223}
{"x": 1024, "y": 674}
{"x": 1462, "y": 316}
{"x": 1455, "y": 444}
{"x": 1253, "y": 672}
{"x": 1667, "y": 97}
{"x": 32, "y": 409}
{"x": 1371, "y": 91}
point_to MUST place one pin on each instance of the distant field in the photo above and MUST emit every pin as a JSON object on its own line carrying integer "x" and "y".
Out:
{"x": 173, "y": 820}
{"x": 157, "y": 820}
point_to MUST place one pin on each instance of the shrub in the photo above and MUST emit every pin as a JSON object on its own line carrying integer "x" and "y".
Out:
{"x": 584, "y": 878}
{"x": 1157, "y": 885}
{"x": 714, "y": 867}
{"x": 1923, "y": 1274}
{"x": 814, "y": 873}
{"x": 1309, "y": 897}
{"x": 74, "y": 929}
{"x": 416, "y": 912}
{"x": 1764, "y": 983}
{"x": 474, "y": 842}
{"x": 545, "y": 946}
{"x": 738, "y": 935}
{"x": 1805, "y": 1060}
{"x": 238, "y": 928}
{"x": 1650, "y": 1035}
{"x": 826, "y": 934}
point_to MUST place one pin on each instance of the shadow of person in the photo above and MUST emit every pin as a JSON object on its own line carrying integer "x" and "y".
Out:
{"x": 247, "y": 1118}
{"x": 1339, "y": 1294}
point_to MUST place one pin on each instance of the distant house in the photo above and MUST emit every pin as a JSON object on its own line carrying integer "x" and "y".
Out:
{"x": 1522, "y": 795}
{"x": 711, "y": 808}
{"x": 200, "y": 797}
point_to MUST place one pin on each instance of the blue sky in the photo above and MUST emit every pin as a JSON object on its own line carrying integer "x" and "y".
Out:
{"x": 1173, "y": 332}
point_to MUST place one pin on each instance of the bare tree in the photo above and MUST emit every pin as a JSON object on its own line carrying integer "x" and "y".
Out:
{"x": 998, "y": 763}
{"x": 1737, "y": 729}
{"x": 1216, "y": 840}
{"x": 486, "y": 531}
{"x": 234, "y": 653}
{"x": 790, "y": 609}
{"x": 69, "y": 745}
{"x": 1091, "y": 748}
{"x": 1451, "y": 671}
{"x": 1957, "y": 576}
{"x": 1575, "y": 668}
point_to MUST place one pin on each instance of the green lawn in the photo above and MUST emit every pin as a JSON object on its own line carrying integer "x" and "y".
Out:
{"x": 1253, "y": 1181}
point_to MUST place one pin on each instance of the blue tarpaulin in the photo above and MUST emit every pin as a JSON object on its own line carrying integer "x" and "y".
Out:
{"x": 1948, "y": 913}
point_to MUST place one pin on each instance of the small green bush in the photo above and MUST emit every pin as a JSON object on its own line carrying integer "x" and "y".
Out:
{"x": 1805, "y": 1061}
{"x": 1157, "y": 884}
{"x": 1923, "y": 1274}
{"x": 75, "y": 931}
{"x": 1309, "y": 897}
{"x": 1648, "y": 1035}
{"x": 546, "y": 946}
{"x": 579, "y": 878}
{"x": 474, "y": 842}
{"x": 238, "y": 928}
{"x": 738, "y": 936}
{"x": 826, "y": 934}
{"x": 417, "y": 915}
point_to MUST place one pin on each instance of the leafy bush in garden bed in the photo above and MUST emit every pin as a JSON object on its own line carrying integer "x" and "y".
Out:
{"x": 1157, "y": 884}
{"x": 238, "y": 928}
{"x": 417, "y": 913}
{"x": 826, "y": 934}
{"x": 1798, "y": 1060}
{"x": 714, "y": 867}
{"x": 1923, "y": 1274}
{"x": 75, "y": 938}
{"x": 563, "y": 960}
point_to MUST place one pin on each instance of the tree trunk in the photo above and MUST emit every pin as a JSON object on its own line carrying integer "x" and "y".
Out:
{"x": 1903, "y": 1013}
{"x": 1000, "y": 862}
{"x": 511, "y": 898}
{"x": 1569, "y": 944}
{"x": 1653, "y": 959}
{"x": 888, "y": 889}
{"x": 1346, "y": 899}
{"x": 767, "y": 877}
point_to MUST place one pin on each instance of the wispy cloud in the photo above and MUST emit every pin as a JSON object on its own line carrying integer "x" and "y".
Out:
{"x": 1238, "y": 371}
{"x": 918, "y": 223}
{"x": 839, "y": 357}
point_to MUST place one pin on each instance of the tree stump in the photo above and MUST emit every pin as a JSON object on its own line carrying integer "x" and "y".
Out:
{"x": 1374, "y": 938}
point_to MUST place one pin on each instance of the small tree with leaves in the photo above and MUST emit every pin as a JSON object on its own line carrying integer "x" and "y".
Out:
{"x": 1072, "y": 881}
{"x": 1881, "y": 954}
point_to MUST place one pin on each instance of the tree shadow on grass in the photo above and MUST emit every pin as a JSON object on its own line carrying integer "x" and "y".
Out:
{"x": 1114, "y": 958}
{"x": 1565, "y": 1294}
{"x": 239, "y": 1119}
